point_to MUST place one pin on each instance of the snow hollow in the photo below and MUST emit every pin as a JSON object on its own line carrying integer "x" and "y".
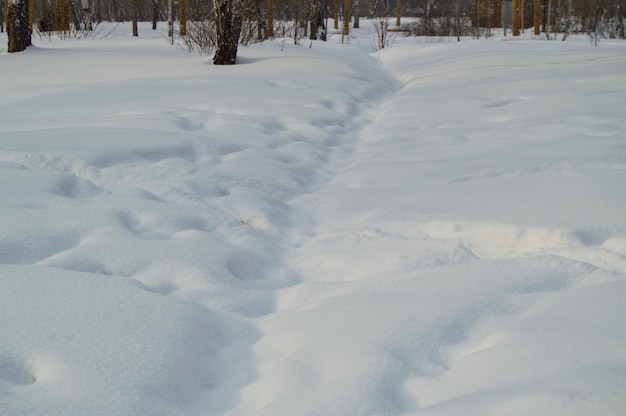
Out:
{"x": 432, "y": 229}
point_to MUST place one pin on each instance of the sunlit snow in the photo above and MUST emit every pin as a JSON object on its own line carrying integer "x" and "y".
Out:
{"x": 438, "y": 228}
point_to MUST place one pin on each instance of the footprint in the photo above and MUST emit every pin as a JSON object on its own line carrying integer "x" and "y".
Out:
{"x": 272, "y": 126}
{"x": 70, "y": 186}
{"x": 502, "y": 103}
{"x": 164, "y": 226}
{"x": 185, "y": 151}
{"x": 328, "y": 104}
{"x": 14, "y": 372}
{"x": 137, "y": 226}
{"x": 187, "y": 124}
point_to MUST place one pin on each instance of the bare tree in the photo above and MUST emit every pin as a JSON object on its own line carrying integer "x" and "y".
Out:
{"x": 270, "y": 18}
{"x": 457, "y": 20}
{"x": 227, "y": 15}
{"x": 182, "y": 17}
{"x": 3, "y": 16}
{"x": 134, "y": 16}
{"x": 316, "y": 20}
{"x": 155, "y": 14}
{"x": 536, "y": 16}
{"x": 583, "y": 15}
{"x": 516, "y": 18}
{"x": 170, "y": 20}
{"x": 18, "y": 29}
{"x": 346, "y": 18}
{"x": 398, "y": 12}
{"x": 379, "y": 14}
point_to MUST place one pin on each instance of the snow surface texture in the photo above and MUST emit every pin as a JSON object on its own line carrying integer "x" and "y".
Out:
{"x": 435, "y": 229}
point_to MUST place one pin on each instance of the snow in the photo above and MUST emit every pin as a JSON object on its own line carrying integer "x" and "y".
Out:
{"x": 431, "y": 229}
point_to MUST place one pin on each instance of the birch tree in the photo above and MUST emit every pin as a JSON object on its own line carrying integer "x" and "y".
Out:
{"x": 18, "y": 30}
{"x": 316, "y": 20}
{"x": 170, "y": 20}
{"x": 228, "y": 21}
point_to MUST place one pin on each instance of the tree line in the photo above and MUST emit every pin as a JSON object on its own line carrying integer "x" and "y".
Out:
{"x": 221, "y": 25}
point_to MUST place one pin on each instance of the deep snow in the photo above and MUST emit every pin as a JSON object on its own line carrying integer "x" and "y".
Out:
{"x": 433, "y": 229}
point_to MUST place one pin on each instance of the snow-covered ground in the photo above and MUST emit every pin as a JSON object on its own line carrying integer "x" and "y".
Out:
{"x": 434, "y": 229}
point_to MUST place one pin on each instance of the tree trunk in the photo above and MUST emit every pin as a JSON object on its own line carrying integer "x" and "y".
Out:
{"x": 261, "y": 23}
{"x": 96, "y": 10}
{"x": 17, "y": 25}
{"x": 548, "y": 23}
{"x": 316, "y": 20}
{"x": 583, "y": 15}
{"x": 133, "y": 14}
{"x": 270, "y": 18}
{"x": 477, "y": 33}
{"x": 398, "y": 12}
{"x": 170, "y": 20}
{"x": 346, "y": 18}
{"x": 155, "y": 14}
{"x": 182, "y": 17}
{"x": 457, "y": 21}
{"x": 3, "y": 17}
{"x": 516, "y": 18}
{"x": 228, "y": 29}
{"x": 521, "y": 18}
{"x": 536, "y": 16}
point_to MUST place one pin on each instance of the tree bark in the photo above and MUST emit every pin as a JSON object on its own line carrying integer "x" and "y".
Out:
{"x": 457, "y": 21}
{"x": 182, "y": 17}
{"x": 17, "y": 25}
{"x": 346, "y": 18}
{"x": 316, "y": 20}
{"x": 270, "y": 18}
{"x": 516, "y": 18}
{"x": 583, "y": 15}
{"x": 537, "y": 16}
{"x": 155, "y": 14}
{"x": 398, "y": 12}
{"x": 96, "y": 10}
{"x": 228, "y": 29}
{"x": 170, "y": 20}
{"x": 133, "y": 14}
{"x": 261, "y": 23}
